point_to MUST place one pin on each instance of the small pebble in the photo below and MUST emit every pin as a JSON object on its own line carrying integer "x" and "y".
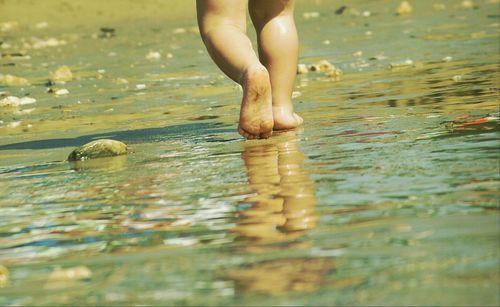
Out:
{"x": 14, "y": 124}
{"x": 302, "y": 69}
{"x": 309, "y": 15}
{"x": 61, "y": 92}
{"x": 4, "y": 276}
{"x": 467, "y": 4}
{"x": 313, "y": 67}
{"x": 180, "y": 241}
{"x": 44, "y": 43}
{"x": 340, "y": 10}
{"x": 179, "y": 31}
{"x": 41, "y": 25}
{"x": 62, "y": 74}
{"x": 13, "y": 80}
{"x": 153, "y": 55}
{"x": 358, "y": 53}
{"x": 404, "y": 63}
{"x": 75, "y": 273}
{"x": 140, "y": 86}
{"x": 334, "y": 74}
{"x": 13, "y": 101}
{"x": 26, "y": 100}
{"x": 325, "y": 66}
{"x": 121, "y": 81}
{"x": 8, "y": 26}
{"x": 404, "y": 8}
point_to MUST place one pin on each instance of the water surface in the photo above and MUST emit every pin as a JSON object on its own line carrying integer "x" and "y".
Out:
{"x": 388, "y": 195}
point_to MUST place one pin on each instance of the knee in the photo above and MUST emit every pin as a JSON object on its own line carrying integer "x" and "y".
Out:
{"x": 265, "y": 10}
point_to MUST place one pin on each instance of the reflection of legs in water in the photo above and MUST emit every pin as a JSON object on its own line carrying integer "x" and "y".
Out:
{"x": 223, "y": 30}
{"x": 282, "y": 210}
{"x": 278, "y": 51}
{"x": 283, "y": 207}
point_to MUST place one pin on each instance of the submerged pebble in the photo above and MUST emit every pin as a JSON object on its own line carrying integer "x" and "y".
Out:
{"x": 75, "y": 273}
{"x": 404, "y": 8}
{"x": 98, "y": 149}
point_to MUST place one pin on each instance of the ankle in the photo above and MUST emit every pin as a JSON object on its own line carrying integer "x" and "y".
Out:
{"x": 252, "y": 70}
{"x": 282, "y": 109}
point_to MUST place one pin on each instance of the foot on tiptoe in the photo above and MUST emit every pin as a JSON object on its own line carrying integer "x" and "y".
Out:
{"x": 285, "y": 118}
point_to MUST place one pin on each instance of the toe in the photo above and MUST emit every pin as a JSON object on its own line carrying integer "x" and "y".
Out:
{"x": 266, "y": 135}
{"x": 242, "y": 132}
{"x": 245, "y": 134}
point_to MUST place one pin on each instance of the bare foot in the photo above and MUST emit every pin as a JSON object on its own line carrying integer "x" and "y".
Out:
{"x": 285, "y": 118}
{"x": 256, "y": 115}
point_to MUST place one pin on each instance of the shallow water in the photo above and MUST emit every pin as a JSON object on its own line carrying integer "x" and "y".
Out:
{"x": 388, "y": 195}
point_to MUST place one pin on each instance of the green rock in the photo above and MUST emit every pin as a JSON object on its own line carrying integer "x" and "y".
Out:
{"x": 98, "y": 149}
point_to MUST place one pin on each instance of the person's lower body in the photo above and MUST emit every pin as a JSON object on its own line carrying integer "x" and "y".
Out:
{"x": 267, "y": 82}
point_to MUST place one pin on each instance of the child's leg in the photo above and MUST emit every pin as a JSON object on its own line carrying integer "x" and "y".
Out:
{"x": 223, "y": 30}
{"x": 278, "y": 51}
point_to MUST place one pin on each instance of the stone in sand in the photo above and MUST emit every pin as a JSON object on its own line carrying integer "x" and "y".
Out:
{"x": 98, "y": 149}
